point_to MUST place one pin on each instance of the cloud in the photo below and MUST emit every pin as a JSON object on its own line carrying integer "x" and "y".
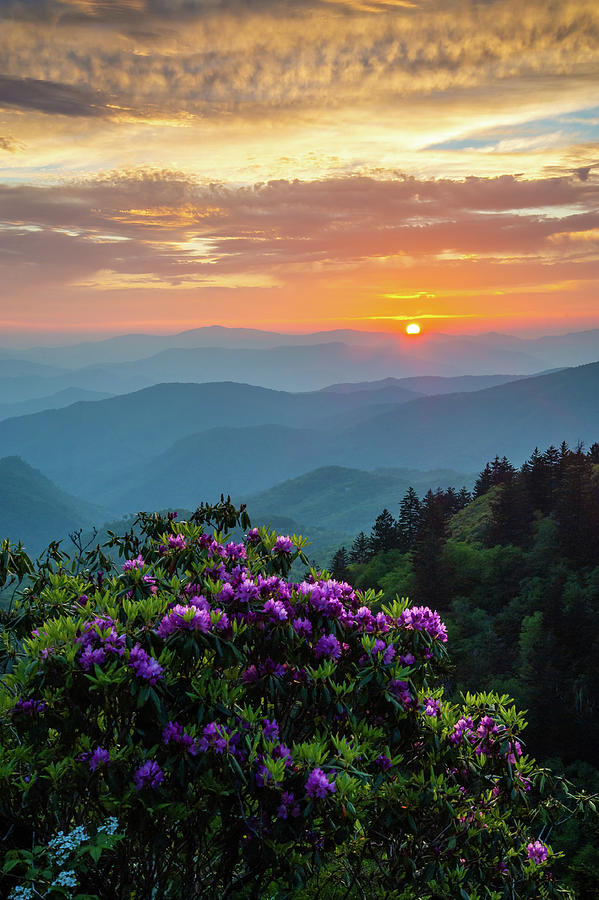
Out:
{"x": 219, "y": 58}
{"x": 162, "y": 229}
{"x": 51, "y": 97}
{"x": 10, "y": 144}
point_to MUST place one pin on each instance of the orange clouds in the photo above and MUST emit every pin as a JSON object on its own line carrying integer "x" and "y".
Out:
{"x": 364, "y": 247}
{"x": 271, "y": 159}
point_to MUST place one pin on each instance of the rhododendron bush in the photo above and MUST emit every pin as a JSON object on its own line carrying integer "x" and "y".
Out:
{"x": 247, "y": 735}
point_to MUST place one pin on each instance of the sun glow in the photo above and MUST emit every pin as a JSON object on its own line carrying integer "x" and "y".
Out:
{"x": 413, "y": 328}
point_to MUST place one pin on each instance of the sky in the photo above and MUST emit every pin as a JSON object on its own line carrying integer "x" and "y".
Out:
{"x": 167, "y": 164}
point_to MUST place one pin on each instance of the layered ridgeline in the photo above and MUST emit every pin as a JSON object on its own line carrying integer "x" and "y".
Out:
{"x": 178, "y": 443}
{"x": 346, "y": 351}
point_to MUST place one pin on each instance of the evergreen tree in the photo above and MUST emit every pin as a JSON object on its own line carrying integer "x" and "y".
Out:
{"x": 384, "y": 533}
{"x": 464, "y": 498}
{"x": 429, "y": 568}
{"x": 499, "y": 471}
{"x": 537, "y": 479}
{"x": 593, "y": 453}
{"x": 360, "y": 550}
{"x": 483, "y": 483}
{"x": 577, "y": 510}
{"x": 512, "y": 515}
{"x": 339, "y": 565}
{"x": 409, "y": 519}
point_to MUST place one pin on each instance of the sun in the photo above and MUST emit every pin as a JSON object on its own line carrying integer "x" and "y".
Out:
{"x": 413, "y": 328}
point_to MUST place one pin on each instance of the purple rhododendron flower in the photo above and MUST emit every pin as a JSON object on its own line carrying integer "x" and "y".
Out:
{"x": 151, "y": 582}
{"x": 288, "y": 806}
{"x": 383, "y": 762}
{"x": 275, "y": 609}
{"x": 327, "y": 646}
{"x": 247, "y": 591}
{"x": 227, "y": 594}
{"x": 144, "y": 665}
{"x": 462, "y": 727}
{"x": 388, "y": 651}
{"x": 99, "y": 637}
{"x": 270, "y": 730}
{"x": 513, "y": 751}
{"x": 422, "y": 618}
{"x": 250, "y": 676}
{"x": 432, "y": 708}
{"x": 221, "y": 739}
{"x": 216, "y": 549}
{"x": 184, "y": 618}
{"x": 283, "y": 544}
{"x": 303, "y": 627}
{"x": 401, "y": 690}
{"x": 537, "y": 852}
{"x": 270, "y": 667}
{"x": 318, "y": 784}
{"x": 525, "y": 782}
{"x": 174, "y": 732}
{"x": 30, "y": 707}
{"x": 91, "y": 657}
{"x": 99, "y": 757}
{"x": 136, "y": 563}
{"x": 235, "y": 551}
{"x": 252, "y": 536}
{"x": 177, "y": 542}
{"x": 148, "y": 775}
{"x": 364, "y": 618}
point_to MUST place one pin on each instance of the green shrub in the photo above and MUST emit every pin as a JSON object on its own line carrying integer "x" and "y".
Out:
{"x": 253, "y": 737}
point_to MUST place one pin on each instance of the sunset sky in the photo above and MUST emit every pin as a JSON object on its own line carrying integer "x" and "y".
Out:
{"x": 167, "y": 164}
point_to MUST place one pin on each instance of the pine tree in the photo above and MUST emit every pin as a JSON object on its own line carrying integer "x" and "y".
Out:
{"x": 384, "y": 533}
{"x": 537, "y": 479}
{"x": 360, "y": 551}
{"x": 409, "y": 519}
{"x": 429, "y": 570}
{"x": 512, "y": 515}
{"x": 577, "y": 510}
{"x": 484, "y": 482}
{"x": 339, "y": 565}
{"x": 464, "y": 498}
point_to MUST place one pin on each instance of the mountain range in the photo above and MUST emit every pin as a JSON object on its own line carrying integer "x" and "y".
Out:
{"x": 181, "y": 443}
{"x": 300, "y": 362}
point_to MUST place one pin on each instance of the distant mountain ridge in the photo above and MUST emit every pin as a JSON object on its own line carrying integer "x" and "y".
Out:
{"x": 271, "y": 359}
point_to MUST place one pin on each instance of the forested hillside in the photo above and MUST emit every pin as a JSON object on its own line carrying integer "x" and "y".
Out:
{"x": 515, "y": 571}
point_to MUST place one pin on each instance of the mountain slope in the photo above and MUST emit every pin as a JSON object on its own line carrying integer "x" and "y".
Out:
{"x": 34, "y": 510}
{"x": 464, "y": 430}
{"x": 54, "y": 401}
{"x": 236, "y": 461}
{"x": 346, "y": 499}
